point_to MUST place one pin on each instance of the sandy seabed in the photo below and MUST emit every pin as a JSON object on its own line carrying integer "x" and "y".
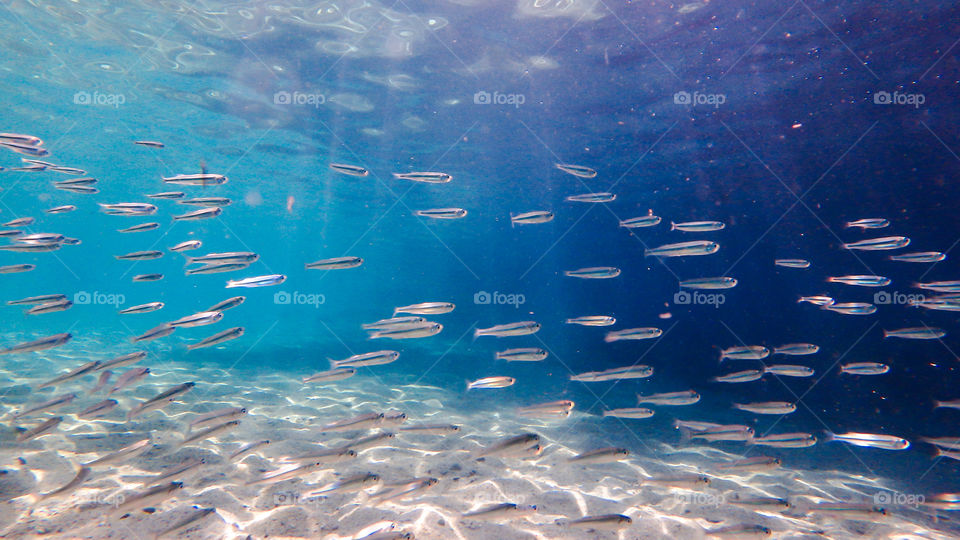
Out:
{"x": 291, "y": 415}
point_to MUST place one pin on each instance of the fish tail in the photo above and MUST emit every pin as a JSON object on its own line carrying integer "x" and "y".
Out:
{"x": 673, "y": 226}
{"x": 829, "y": 436}
{"x": 886, "y": 334}
{"x": 468, "y": 384}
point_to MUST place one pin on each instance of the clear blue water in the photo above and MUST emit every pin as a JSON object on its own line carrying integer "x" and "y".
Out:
{"x": 797, "y": 148}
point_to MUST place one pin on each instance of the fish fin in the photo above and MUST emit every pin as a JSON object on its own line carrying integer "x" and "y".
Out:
{"x": 829, "y": 436}
{"x": 886, "y": 334}
{"x": 468, "y": 384}
{"x": 673, "y": 226}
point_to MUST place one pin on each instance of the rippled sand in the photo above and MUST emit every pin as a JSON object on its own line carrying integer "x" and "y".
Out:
{"x": 291, "y": 415}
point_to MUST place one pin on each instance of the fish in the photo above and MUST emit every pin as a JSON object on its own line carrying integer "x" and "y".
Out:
{"x": 26, "y": 149}
{"x": 521, "y": 355}
{"x": 40, "y": 430}
{"x": 629, "y": 412}
{"x": 42, "y": 299}
{"x": 592, "y": 198}
{"x": 121, "y": 361}
{"x": 376, "y": 358}
{"x": 597, "y": 272}
{"x": 947, "y": 404}
{"x": 403, "y": 490}
{"x": 424, "y": 329}
{"x": 746, "y": 352}
{"x": 248, "y": 449}
{"x": 746, "y": 375}
{"x": 642, "y": 221}
{"x": 87, "y": 181}
{"x": 140, "y": 228}
{"x": 741, "y": 531}
{"x": 187, "y": 522}
{"x": 863, "y": 281}
{"x": 442, "y": 213}
{"x": 187, "y": 245}
{"x": 869, "y": 223}
{"x": 122, "y": 454}
{"x": 522, "y": 328}
{"x": 167, "y": 195}
{"x": 337, "y": 374}
{"x": 218, "y": 338}
{"x": 202, "y": 318}
{"x": 50, "y": 307}
{"x": 788, "y": 370}
{"x": 209, "y": 432}
{"x": 684, "y": 397}
{"x": 719, "y": 433}
{"x": 217, "y": 268}
{"x": 203, "y": 213}
{"x": 797, "y": 349}
{"x": 425, "y": 177}
{"x": 229, "y": 303}
{"x": 851, "y": 308}
{"x": 46, "y": 406}
{"x": 869, "y": 440}
{"x": 940, "y": 286}
{"x": 89, "y": 367}
{"x": 697, "y": 247}
{"x": 915, "y": 333}
{"x": 142, "y": 308}
{"x": 258, "y": 281}
{"x": 204, "y": 179}
{"x": 363, "y": 421}
{"x": 217, "y": 417}
{"x": 846, "y": 510}
{"x": 128, "y": 209}
{"x": 352, "y": 170}
{"x": 130, "y": 377}
{"x": 206, "y": 201}
{"x": 98, "y": 409}
{"x": 919, "y": 257}
{"x": 552, "y": 409}
{"x": 864, "y": 368}
{"x": 605, "y": 522}
{"x": 102, "y": 381}
{"x": 879, "y": 244}
{"x": 601, "y": 455}
{"x": 951, "y": 443}
{"x": 756, "y": 463}
{"x": 426, "y": 308}
{"x": 792, "y": 263}
{"x": 61, "y": 209}
{"x": 510, "y": 446}
{"x": 431, "y": 429}
{"x": 19, "y": 138}
{"x": 329, "y": 456}
{"x": 350, "y": 484}
{"x": 160, "y": 400}
{"x": 32, "y": 247}
{"x": 576, "y": 170}
{"x": 500, "y": 511}
{"x": 149, "y": 144}
{"x": 593, "y": 320}
{"x": 614, "y": 374}
{"x": 785, "y": 440}
{"x": 19, "y": 222}
{"x": 16, "y": 268}
{"x": 531, "y": 218}
{"x": 491, "y": 382}
{"x": 711, "y": 283}
{"x": 698, "y": 226}
{"x": 148, "y": 277}
{"x": 296, "y": 472}
{"x": 87, "y": 190}
{"x": 633, "y": 334}
{"x": 336, "y": 263}
{"x": 83, "y": 474}
{"x": 146, "y": 498}
{"x": 140, "y": 255}
{"x": 767, "y": 407}
{"x": 394, "y": 323}
{"x": 41, "y": 344}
